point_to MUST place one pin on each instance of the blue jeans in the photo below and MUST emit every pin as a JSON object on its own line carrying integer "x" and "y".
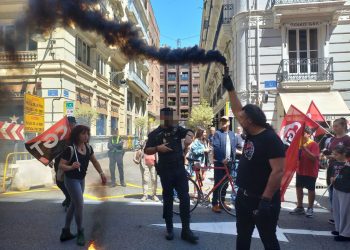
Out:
{"x": 75, "y": 188}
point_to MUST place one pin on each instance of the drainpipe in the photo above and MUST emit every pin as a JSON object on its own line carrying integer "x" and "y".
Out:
{"x": 257, "y": 57}
{"x": 57, "y": 98}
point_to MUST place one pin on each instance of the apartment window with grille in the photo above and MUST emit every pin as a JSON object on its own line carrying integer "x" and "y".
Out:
{"x": 161, "y": 75}
{"x": 100, "y": 65}
{"x": 172, "y": 89}
{"x": 171, "y": 101}
{"x": 195, "y": 100}
{"x": 184, "y": 101}
{"x": 162, "y": 100}
{"x": 195, "y": 88}
{"x": 82, "y": 52}
{"x": 195, "y": 75}
{"x": 184, "y": 113}
{"x": 171, "y": 76}
{"x": 303, "y": 50}
{"x": 184, "y": 76}
{"x": 161, "y": 88}
{"x": 184, "y": 89}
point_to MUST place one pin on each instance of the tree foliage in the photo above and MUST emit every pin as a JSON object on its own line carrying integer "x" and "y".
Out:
{"x": 85, "y": 115}
{"x": 141, "y": 123}
{"x": 201, "y": 115}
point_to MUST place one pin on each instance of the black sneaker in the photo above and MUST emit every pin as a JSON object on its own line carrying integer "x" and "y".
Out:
{"x": 331, "y": 221}
{"x": 336, "y": 233}
{"x": 189, "y": 236}
{"x": 81, "y": 238}
{"x": 341, "y": 238}
{"x": 169, "y": 234}
{"x": 66, "y": 235}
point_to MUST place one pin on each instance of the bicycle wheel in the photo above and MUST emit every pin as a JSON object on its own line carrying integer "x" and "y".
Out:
{"x": 194, "y": 193}
{"x": 227, "y": 196}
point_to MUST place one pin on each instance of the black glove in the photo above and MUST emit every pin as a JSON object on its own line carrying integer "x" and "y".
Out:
{"x": 264, "y": 208}
{"x": 228, "y": 84}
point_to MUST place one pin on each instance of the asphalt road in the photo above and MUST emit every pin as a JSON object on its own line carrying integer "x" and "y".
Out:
{"x": 115, "y": 219}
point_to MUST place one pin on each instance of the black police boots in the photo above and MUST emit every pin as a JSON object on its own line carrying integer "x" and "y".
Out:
{"x": 169, "y": 234}
{"x": 187, "y": 234}
{"x": 66, "y": 235}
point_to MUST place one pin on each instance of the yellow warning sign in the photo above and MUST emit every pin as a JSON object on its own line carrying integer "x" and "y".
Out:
{"x": 34, "y": 105}
{"x": 34, "y": 123}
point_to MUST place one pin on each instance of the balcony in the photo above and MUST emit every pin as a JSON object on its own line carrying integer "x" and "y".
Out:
{"x": 293, "y": 9}
{"x": 306, "y": 73}
{"x": 139, "y": 82}
{"x": 21, "y": 56}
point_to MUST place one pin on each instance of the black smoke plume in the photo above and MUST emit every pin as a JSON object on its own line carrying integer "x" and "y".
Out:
{"x": 44, "y": 15}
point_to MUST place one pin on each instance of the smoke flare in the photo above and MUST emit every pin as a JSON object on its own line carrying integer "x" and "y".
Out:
{"x": 42, "y": 16}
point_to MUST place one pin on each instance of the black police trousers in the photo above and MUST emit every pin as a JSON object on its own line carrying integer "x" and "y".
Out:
{"x": 171, "y": 179}
{"x": 246, "y": 221}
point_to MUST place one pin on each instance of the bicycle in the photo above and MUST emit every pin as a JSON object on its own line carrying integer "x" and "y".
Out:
{"x": 197, "y": 196}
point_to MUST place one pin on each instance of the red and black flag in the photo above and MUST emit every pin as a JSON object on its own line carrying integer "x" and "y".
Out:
{"x": 51, "y": 143}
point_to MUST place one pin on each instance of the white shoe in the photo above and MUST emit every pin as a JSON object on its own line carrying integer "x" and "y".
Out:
{"x": 144, "y": 198}
{"x": 155, "y": 198}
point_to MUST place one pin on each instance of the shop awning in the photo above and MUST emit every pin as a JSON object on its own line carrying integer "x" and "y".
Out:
{"x": 329, "y": 103}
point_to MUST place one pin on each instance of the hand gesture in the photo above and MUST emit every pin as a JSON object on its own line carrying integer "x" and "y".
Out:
{"x": 164, "y": 148}
{"x": 227, "y": 83}
{"x": 76, "y": 165}
{"x": 103, "y": 179}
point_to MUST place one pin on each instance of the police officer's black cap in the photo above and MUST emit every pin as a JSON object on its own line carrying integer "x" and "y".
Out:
{"x": 71, "y": 119}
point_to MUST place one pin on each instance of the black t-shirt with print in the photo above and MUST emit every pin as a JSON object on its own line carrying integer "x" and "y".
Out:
{"x": 83, "y": 160}
{"x": 342, "y": 181}
{"x": 254, "y": 167}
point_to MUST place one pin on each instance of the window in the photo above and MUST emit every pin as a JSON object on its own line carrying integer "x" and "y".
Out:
{"x": 100, "y": 65}
{"x": 161, "y": 88}
{"x": 137, "y": 105}
{"x": 184, "y": 114}
{"x": 114, "y": 123}
{"x": 184, "y": 88}
{"x": 184, "y": 76}
{"x": 129, "y": 125}
{"x": 162, "y": 100}
{"x": 101, "y": 124}
{"x": 162, "y": 75}
{"x": 171, "y": 101}
{"x": 171, "y": 76}
{"x": 22, "y": 41}
{"x": 130, "y": 103}
{"x": 195, "y": 75}
{"x": 185, "y": 66}
{"x": 195, "y": 88}
{"x": 171, "y": 66}
{"x": 82, "y": 52}
{"x": 196, "y": 100}
{"x": 172, "y": 88}
{"x": 184, "y": 101}
{"x": 303, "y": 50}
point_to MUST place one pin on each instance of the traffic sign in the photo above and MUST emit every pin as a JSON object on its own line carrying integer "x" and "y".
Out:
{"x": 34, "y": 105}
{"x": 11, "y": 131}
{"x": 69, "y": 108}
{"x": 34, "y": 123}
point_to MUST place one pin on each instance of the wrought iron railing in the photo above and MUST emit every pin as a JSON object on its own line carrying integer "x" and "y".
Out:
{"x": 276, "y": 2}
{"x": 306, "y": 69}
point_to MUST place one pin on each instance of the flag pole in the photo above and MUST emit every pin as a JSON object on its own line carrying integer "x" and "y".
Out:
{"x": 76, "y": 155}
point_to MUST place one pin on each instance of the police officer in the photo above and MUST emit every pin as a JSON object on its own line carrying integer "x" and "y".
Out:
{"x": 166, "y": 141}
{"x": 260, "y": 172}
{"x": 116, "y": 154}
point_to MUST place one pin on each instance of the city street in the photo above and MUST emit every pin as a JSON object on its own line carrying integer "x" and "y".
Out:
{"x": 115, "y": 219}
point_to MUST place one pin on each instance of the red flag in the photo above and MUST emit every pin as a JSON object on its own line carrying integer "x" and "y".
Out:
{"x": 51, "y": 143}
{"x": 314, "y": 114}
{"x": 291, "y": 133}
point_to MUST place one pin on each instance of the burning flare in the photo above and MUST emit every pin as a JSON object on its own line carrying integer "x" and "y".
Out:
{"x": 92, "y": 246}
{"x": 45, "y": 15}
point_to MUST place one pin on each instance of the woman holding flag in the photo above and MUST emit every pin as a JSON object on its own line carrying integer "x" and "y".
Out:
{"x": 74, "y": 162}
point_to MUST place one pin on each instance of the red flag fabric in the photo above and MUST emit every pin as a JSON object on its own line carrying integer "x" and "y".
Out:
{"x": 314, "y": 113}
{"x": 291, "y": 133}
{"x": 51, "y": 143}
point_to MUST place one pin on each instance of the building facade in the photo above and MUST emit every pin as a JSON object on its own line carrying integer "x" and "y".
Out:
{"x": 153, "y": 78}
{"x": 74, "y": 65}
{"x": 180, "y": 88}
{"x": 280, "y": 52}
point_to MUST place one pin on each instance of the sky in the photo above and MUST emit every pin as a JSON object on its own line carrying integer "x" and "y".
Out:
{"x": 178, "y": 19}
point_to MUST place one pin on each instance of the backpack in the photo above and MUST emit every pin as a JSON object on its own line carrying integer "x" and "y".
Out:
{"x": 150, "y": 160}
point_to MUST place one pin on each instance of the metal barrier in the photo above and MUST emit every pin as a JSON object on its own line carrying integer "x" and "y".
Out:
{"x": 15, "y": 156}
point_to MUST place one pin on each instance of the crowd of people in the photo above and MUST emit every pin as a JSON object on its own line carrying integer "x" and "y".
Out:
{"x": 255, "y": 145}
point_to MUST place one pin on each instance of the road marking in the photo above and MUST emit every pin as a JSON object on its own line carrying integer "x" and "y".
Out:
{"x": 229, "y": 228}
{"x": 15, "y": 200}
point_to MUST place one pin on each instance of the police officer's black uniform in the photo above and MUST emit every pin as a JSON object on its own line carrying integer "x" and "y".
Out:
{"x": 172, "y": 173}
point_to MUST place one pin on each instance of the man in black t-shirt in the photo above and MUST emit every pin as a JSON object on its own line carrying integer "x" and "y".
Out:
{"x": 166, "y": 141}
{"x": 260, "y": 172}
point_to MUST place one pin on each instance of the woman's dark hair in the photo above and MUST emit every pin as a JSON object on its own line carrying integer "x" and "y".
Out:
{"x": 343, "y": 122}
{"x": 199, "y": 133}
{"x": 77, "y": 130}
{"x": 341, "y": 149}
{"x": 256, "y": 115}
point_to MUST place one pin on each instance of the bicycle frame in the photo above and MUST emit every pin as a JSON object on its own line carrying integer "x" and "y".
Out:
{"x": 200, "y": 183}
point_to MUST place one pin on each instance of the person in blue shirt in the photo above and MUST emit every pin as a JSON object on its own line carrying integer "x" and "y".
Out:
{"x": 224, "y": 144}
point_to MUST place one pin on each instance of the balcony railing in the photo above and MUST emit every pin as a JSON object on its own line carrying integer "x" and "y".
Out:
{"x": 276, "y": 2}
{"x": 25, "y": 56}
{"x": 306, "y": 69}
